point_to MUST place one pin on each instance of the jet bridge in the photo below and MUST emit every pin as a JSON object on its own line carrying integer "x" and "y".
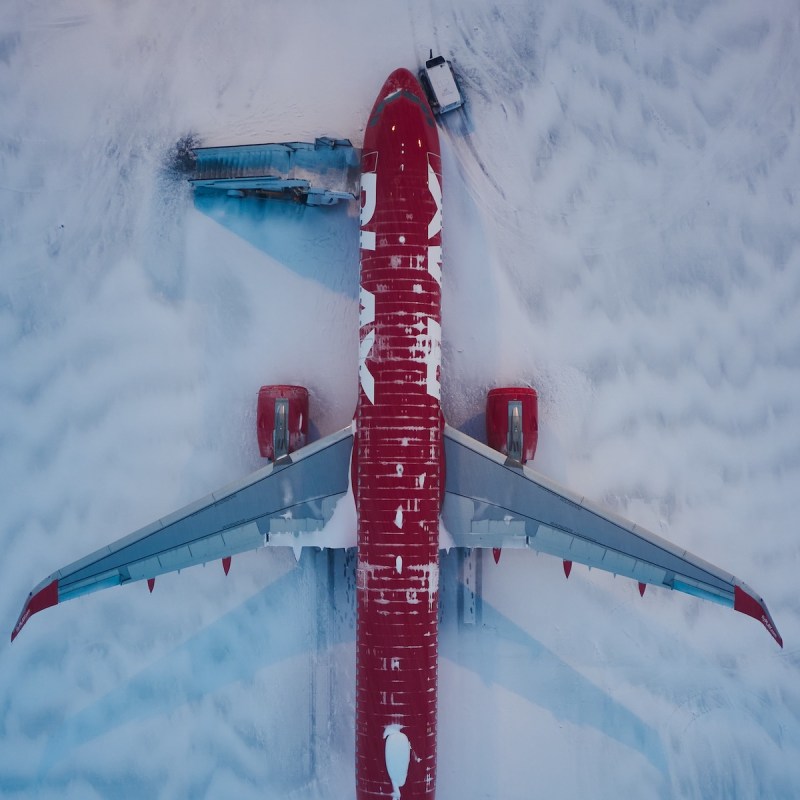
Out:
{"x": 316, "y": 174}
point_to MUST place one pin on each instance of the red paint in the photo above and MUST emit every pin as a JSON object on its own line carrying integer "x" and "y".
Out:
{"x": 497, "y": 419}
{"x": 747, "y": 604}
{"x": 226, "y": 564}
{"x": 398, "y": 451}
{"x": 496, "y": 553}
{"x": 44, "y": 598}
{"x": 151, "y": 584}
{"x": 298, "y": 417}
{"x": 642, "y": 587}
{"x": 567, "y": 568}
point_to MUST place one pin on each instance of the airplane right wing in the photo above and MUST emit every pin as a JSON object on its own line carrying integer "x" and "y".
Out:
{"x": 285, "y": 503}
{"x": 492, "y": 501}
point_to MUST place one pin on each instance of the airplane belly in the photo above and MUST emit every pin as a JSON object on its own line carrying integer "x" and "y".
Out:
{"x": 398, "y": 469}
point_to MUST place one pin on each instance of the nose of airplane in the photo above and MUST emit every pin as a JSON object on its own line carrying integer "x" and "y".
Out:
{"x": 402, "y": 80}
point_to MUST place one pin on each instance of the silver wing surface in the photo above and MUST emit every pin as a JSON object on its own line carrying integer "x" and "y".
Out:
{"x": 285, "y": 503}
{"x": 492, "y": 501}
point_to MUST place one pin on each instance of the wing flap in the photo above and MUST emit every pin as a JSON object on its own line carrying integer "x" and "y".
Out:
{"x": 492, "y": 502}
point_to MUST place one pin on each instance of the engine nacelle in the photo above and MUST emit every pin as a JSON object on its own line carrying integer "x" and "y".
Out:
{"x": 512, "y": 422}
{"x": 281, "y": 420}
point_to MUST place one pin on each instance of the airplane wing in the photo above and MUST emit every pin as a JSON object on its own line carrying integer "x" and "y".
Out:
{"x": 492, "y": 501}
{"x": 285, "y": 503}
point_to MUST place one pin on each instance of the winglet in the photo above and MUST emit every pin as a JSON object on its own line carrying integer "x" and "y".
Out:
{"x": 747, "y": 603}
{"x": 37, "y": 601}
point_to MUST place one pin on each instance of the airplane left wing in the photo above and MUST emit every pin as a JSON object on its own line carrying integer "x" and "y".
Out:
{"x": 493, "y": 501}
{"x": 285, "y": 503}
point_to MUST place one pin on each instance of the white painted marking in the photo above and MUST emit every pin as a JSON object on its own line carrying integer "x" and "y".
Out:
{"x": 367, "y": 240}
{"x": 397, "y": 754}
{"x": 435, "y": 262}
{"x": 417, "y": 288}
{"x": 398, "y": 517}
{"x": 421, "y": 480}
{"x": 366, "y": 314}
{"x": 402, "y": 240}
{"x": 366, "y": 317}
{"x": 398, "y": 565}
{"x": 364, "y": 375}
{"x": 369, "y": 185}
{"x": 399, "y": 470}
{"x": 434, "y": 187}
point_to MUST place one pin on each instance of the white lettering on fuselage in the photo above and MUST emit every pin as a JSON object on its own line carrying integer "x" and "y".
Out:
{"x": 369, "y": 185}
{"x": 435, "y": 262}
{"x": 435, "y": 225}
{"x": 428, "y": 346}
{"x": 432, "y": 352}
{"x": 366, "y": 316}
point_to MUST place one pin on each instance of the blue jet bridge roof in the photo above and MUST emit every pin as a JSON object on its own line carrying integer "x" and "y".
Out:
{"x": 315, "y": 173}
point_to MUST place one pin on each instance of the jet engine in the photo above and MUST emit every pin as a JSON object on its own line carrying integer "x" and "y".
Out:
{"x": 512, "y": 422}
{"x": 281, "y": 420}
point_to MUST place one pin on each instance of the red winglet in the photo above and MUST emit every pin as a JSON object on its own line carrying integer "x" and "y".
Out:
{"x": 496, "y": 553}
{"x": 567, "y": 567}
{"x": 642, "y": 587}
{"x": 226, "y": 564}
{"x": 151, "y": 584}
{"x": 747, "y": 604}
{"x": 44, "y": 598}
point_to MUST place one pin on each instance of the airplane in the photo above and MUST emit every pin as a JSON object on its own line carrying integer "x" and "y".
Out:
{"x": 417, "y": 483}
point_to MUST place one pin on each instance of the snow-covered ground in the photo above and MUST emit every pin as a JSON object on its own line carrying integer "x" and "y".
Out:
{"x": 621, "y": 223}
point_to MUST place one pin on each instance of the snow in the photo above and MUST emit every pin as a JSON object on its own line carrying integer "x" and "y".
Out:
{"x": 620, "y": 230}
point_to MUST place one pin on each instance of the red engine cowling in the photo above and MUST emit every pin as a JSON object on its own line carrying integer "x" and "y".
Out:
{"x": 281, "y": 420}
{"x": 512, "y": 422}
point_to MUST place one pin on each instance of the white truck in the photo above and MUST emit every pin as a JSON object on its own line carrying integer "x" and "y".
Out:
{"x": 439, "y": 82}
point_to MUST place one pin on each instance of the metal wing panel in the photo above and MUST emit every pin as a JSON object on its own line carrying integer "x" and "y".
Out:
{"x": 295, "y": 495}
{"x": 493, "y": 502}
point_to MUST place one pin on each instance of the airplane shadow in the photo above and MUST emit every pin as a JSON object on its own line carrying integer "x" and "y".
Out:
{"x": 539, "y": 675}
{"x": 311, "y": 609}
{"x": 272, "y": 626}
{"x": 317, "y": 243}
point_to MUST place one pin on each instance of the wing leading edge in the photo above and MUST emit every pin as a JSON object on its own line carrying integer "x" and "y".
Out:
{"x": 493, "y": 502}
{"x": 285, "y": 503}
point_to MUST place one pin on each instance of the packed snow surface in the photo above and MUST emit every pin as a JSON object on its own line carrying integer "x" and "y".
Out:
{"x": 621, "y": 196}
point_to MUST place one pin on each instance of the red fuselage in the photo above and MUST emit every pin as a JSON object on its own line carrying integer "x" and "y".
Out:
{"x": 398, "y": 473}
